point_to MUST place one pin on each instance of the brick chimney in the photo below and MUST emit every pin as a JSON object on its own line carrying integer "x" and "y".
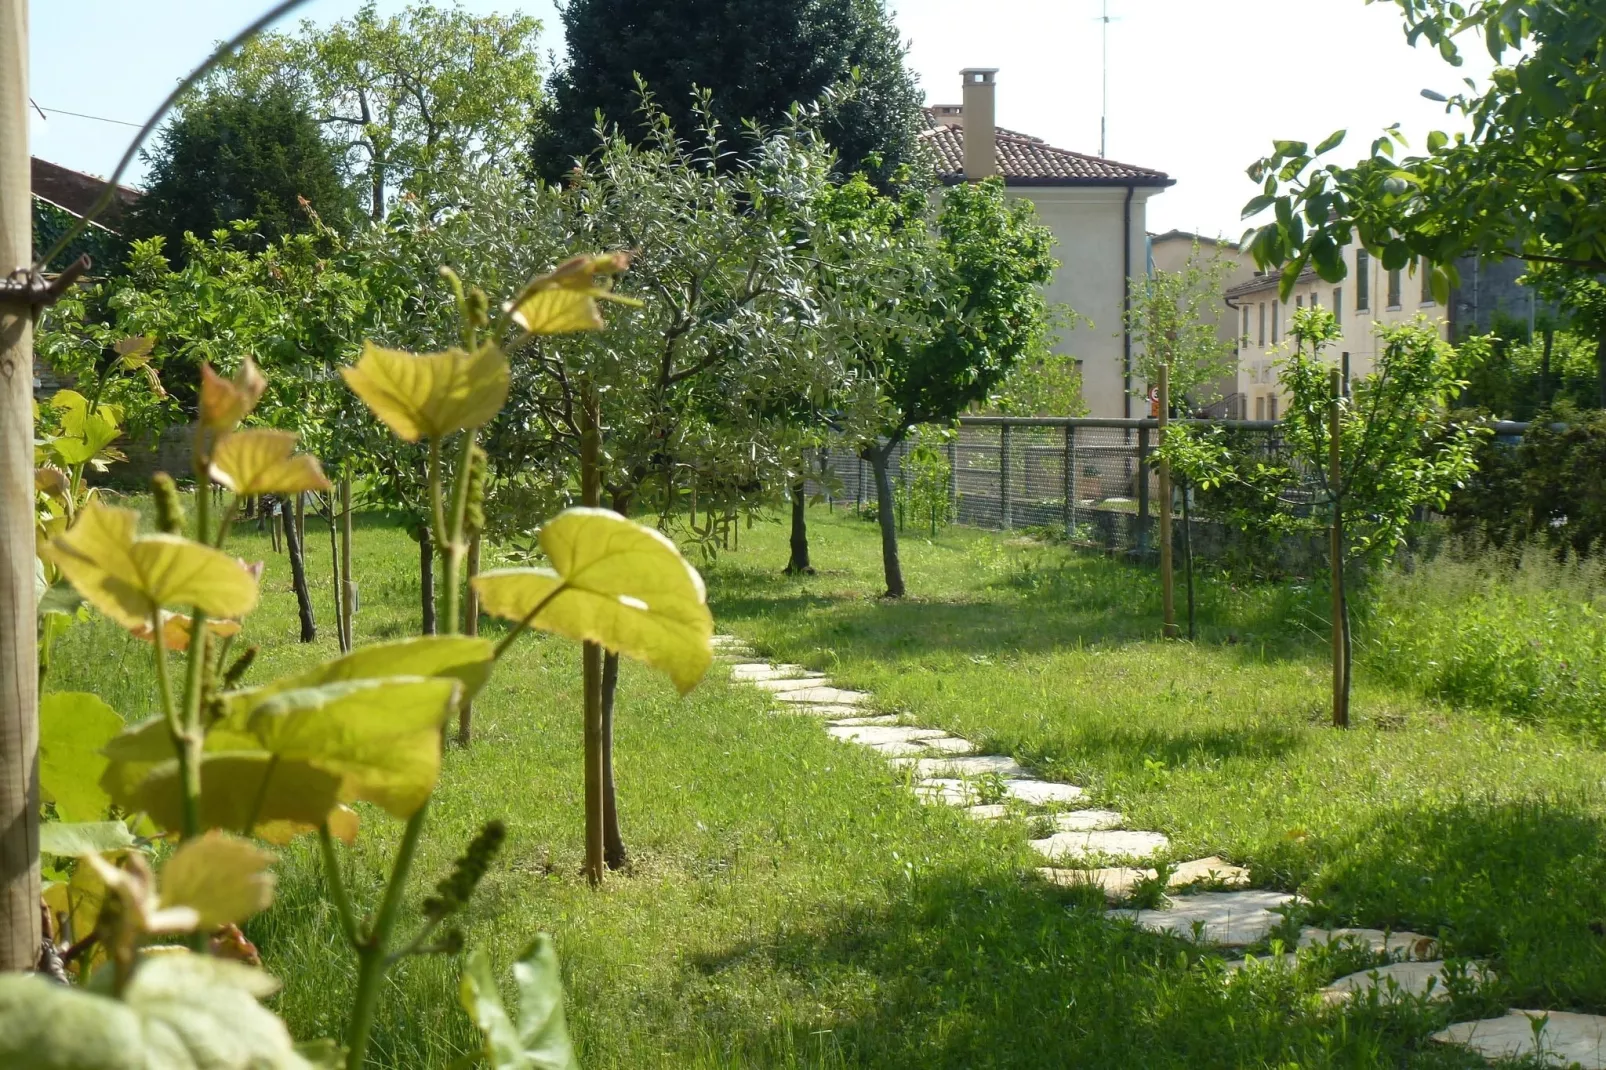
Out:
{"x": 980, "y": 123}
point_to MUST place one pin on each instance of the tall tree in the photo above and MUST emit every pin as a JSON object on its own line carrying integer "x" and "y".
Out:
{"x": 227, "y": 156}
{"x": 411, "y": 98}
{"x": 756, "y": 58}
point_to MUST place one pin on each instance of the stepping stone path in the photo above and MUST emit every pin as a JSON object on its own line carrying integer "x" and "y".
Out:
{"x": 992, "y": 787}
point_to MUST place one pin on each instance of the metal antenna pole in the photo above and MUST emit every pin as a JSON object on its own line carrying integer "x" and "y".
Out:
{"x": 1104, "y": 110}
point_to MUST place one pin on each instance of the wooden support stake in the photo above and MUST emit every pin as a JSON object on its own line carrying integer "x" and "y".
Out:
{"x": 1168, "y": 594}
{"x": 1006, "y": 516}
{"x": 348, "y": 590}
{"x": 591, "y": 656}
{"x": 1335, "y": 474}
{"x": 19, "y": 657}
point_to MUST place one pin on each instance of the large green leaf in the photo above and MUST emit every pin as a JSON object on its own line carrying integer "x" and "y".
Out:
{"x": 223, "y": 878}
{"x": 129, "y": 577}
{"x": 430, "y": 395}
{"x": 460, "y": 657}
{"x": 264, "y": 461}
{"x": 180, "y": 1012}
{"x": 273, "y": 796}
{"x": 623, "y": 585}
{"x": 73, "y": 727}
{"x": 540, "y": 1038}
{"x": 71, "y": 839}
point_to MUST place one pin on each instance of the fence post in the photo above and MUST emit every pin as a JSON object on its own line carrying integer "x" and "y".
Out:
{"x": 1168, "y": 601}
{"x": 1068, "y": 483}
{"x": 953, "y": 477}
{"x": 1003, "y": 478}
{"x": 858, "y": 489}
{"x": 1143, "y": 491}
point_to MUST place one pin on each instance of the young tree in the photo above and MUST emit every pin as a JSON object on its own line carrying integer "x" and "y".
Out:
{"x": 952, "y": 305}
{"x": 756, "y": 58}
{"x": 1175, "y": 321}
{"x": 227, "y": 157}
{"x": 414, "y": 98}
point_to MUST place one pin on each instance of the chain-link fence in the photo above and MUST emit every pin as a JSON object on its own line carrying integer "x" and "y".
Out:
{"x": 1088, "y": 479}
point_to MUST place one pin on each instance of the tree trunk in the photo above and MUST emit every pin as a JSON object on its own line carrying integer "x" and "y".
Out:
{"x": 298, "y": 573}
{"x": 471, "y": 626}
{"x": 878, "y": 456}
{"x": 1600, "y": 368}
{"x": 613, "y": 841}
{"x": 591, "y": 653}
{"x": 426, "y": 579}
{"x": 799, "y": 564}
{"x": 20, "y": 932}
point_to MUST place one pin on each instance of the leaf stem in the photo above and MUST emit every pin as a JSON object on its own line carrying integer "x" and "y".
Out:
{"x": 519, "y": 628}
{"x": 371, "y": 952}
{"x": 337, "y": 886}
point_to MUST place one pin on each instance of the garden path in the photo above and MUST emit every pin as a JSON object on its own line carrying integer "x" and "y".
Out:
{"x": 1212, "y": 903}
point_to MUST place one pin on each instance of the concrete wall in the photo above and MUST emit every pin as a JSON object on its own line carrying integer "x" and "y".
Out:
{"x": 1087, "y": 222}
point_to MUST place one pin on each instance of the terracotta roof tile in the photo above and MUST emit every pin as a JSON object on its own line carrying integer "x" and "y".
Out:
{"x": 1030, "y": 161}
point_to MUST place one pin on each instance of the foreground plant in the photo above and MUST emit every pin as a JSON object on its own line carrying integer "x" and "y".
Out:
{"x": 222, "y": 765}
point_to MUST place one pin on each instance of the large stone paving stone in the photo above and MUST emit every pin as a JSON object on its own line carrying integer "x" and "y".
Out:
{"x": 1395, "y": 980}
{"x": 988, "y": 812}
{"x": 1566, "y": 1038}
{"x": 824, "y": 695}
{"x": 1117, "y": 882}
{"x": 1211, "y": 870}
{"x": 870, "y": 735}
{"x": 820, "y": 709}
{"x": 1233, "y": 919}
{"x": 795, "y": 683}
{"x": 1041, "y": 792}
{"x": 844, "y": 722}
{"x": 754, "y": 671}
{"x": 1087, "y": 820}
{"x": 1064, "y": 846}
{"x": 978, "y": 765}
{"x": 1400, "y": 945}
{"x": 950, "y": 790}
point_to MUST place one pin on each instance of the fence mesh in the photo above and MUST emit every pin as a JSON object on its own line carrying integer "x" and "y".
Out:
{"x": 1086, "y": 478}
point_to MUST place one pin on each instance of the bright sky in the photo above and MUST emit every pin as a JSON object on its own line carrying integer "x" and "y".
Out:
{"x": 1197, "y": 88}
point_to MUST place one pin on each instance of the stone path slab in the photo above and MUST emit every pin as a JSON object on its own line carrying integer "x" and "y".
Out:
{"x": 1065, "y": 846}
{"x": 835, "y": 696}
{"x": 819, "y": 709}
{"x": 1211, "y": 870}
{"x": 1400, "y": 945}
{"x": 1232, "y": 919}
{"x": 1042, "y": 792}
{"x": 988, "y": 812}
{"x": 980, "y": 765}
{"x": 791, "y": 683}
{"x": 948, "y": 790}
{"x": 873, "y": 734}
{"x": 884, "y": 718}
{"x": 1117, "y": 882}
{"x": 1087, "y": 820}
{"x": 1565, "y": 1038}
{"x": 751, "y": 671}
{"x": 913, "y": 748}
{"x": 1395, "y": 980}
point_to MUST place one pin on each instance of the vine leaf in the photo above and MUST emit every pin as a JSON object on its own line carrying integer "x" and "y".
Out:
{"x": 223, "y": 878}
{"x": 176, "y": 629}
{"x": 129, "y": 577}
{"x": 73, "y": 839}
{"x": 622, "y": 585}
{"x": 540, "y": 1038}
{"x": 263, "y": 461}
{"x": 430, "y": 395}
{"x": 225, "y": 402}
{"x": 73, "y": 727}
{"x": 275, "y": 797}
{"x": 565, "y": 300}
{"x": 463, "y": 658}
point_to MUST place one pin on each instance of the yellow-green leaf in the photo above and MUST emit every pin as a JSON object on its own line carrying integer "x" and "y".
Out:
{"x": 223, "y": 878}
{"x": 225, "y": 402}
{"x": 565, "y": 300}
{"x": 463, "y": 658}
{"x": 241, "y": 791}
{"x": 73, "y": 727}
{"x": 129, "y": 577}
{"x": 176, "y": 629}
{"x": 540, "y": 1038}
{"x": 430, "y": 395}
{"x": 71, "y": 839}
{"x": 263, "y": 461}
{"x": 624, "y": 586}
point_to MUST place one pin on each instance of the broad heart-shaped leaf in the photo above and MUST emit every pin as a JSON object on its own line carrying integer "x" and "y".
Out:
{"x": 225, "y": 402}
{"x": 540, "y": 1039}
{"x": 624, "y": 586}
{"x": 221, "y": 877}
{"x": 263, "y": 461}
{"x": 180, "y": 1011}
{"x": 240, "y": 791}
{"x": 380, "y": 738}
{"x": 463, "y": 658}
{"x": 73, "y": 727}
{"x": 430, "y": 395}
{"x": 176, "y": 629}
{"x": 69, "y": 839}
{"x": 558, "y": 311}
{"x": 129, "y": 577}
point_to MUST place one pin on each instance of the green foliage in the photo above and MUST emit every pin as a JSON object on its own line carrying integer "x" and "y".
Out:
{"x": 1514, "y": 376}
{"x": 754, "y": 58}
{"x": 105, "y": 249}
{"x": 1175, "y": 321}
{"x": 539, "y": 1040}
{"x": 923, "y": 492}
{"x": 227, "y": 156}
{"x": 1047, "y": 384}
{"x": 73, "y": 727}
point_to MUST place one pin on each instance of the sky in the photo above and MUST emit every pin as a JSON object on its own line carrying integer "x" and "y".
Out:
{"x": 1197, "y": 88}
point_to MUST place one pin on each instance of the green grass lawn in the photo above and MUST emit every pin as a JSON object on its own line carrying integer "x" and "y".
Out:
{"x": 791, "y": 904}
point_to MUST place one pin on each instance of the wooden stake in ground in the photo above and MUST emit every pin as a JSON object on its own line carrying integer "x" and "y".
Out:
{"x": 1168, "y": 593}
{"x": 298, "y": 566}
{"x": 348, "y": 592}
{"x": 471, "y": 626}
{"x": 591, "y": 655}
{"x": 19, "y": 659}
{"x": 1335, "y": 474}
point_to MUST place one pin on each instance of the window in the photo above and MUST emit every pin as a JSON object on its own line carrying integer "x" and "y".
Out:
{"x": 1275, "y": 305}
{"x": 1427, "y": 280}
{"x": 1338, "y": 305}
{"x": 1394, "y": 288}
{"x": 1263, "y": 324}
{"x": 1271, "y": 407}
{"x": 1245, "y": 335}
{"x": 1299, "y": 302}
{"x": 1315, "y": 300}
{"x": 1363, "y": 281}
{"x": 1260, "y": 407}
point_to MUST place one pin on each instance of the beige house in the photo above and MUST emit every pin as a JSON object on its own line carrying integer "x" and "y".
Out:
{"x": 1096, "y": 209}
{"x": 1171, "y": 252}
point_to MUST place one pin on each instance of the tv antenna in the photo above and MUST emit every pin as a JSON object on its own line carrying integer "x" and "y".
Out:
{"x": 1104, "y": 112}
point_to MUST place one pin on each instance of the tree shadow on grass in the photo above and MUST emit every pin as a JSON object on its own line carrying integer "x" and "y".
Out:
{"x": 1519, "y": 883}
{"x": 1112, "y": 744}
{"x": 987, "y": 971}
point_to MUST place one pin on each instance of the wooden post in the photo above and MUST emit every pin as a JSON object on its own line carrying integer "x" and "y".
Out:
{"x": 1143, "y": 492}
{"x": 301, "y": 520}
{"x": 953, "y": 477}
{"x": 1336, "y": 552}
{"x": 19, "y": 657}
{"x": 471, "y": 626}
{"x": 1168, "y": 593}
{"x": 591, "y": 655}
{"x": 348, "y": 590}
{"x": 1004, "y": 511}
{"x": 1068, "y": 481}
